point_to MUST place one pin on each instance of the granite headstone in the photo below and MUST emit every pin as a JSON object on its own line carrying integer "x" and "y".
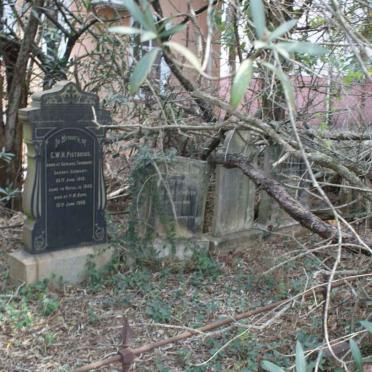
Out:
{"x": 64, "y": 196}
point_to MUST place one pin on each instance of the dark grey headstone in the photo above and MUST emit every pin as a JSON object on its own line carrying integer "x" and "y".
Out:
{"x": 64, "y": 196}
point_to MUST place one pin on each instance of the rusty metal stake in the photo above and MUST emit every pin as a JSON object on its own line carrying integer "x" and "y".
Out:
{"x": 126, "y": 352}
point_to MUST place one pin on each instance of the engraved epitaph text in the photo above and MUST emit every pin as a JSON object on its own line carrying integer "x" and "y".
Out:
{"x": 69, "y": 155}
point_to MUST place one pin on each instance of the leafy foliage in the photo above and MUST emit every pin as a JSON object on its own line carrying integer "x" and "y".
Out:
{"x": 301, "y": 365}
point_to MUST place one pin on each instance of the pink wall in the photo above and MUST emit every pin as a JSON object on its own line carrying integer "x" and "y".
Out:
{"x": 351, "y": 106}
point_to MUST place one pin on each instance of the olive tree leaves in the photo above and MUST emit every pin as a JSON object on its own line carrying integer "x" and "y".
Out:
{"x": 301, "y": 364}
{"x": 268, "y": 40}
{"x": 259, "y": 18}
{"x": 142, "y": 70}
{"x": 150, "y": 29}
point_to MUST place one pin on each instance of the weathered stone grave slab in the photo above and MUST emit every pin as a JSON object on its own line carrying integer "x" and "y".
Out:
{"x": 64, "y": 196}
{"x": 174, "y": 205}
{"x": 293, "y": 173}
{"x": 234, "y": 192}
{"x": 182, "y": 194}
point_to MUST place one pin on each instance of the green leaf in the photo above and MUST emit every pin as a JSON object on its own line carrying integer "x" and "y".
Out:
{"x": 142, "y": 70}
{"x": 142, "y": 15}
{"x": 145, "y": 35}
{"x": 6, "y": 156}
{"x": 125, "y": 30}
{"x": 281, "y": 51}
{"x": 173, "y": 30}
{"x": 258, "y": 17}
{"x": 190, "y": 56}
{"x": 352, "y": 76}
{"x": 241, "y": 82}
{"x": 258, "y": 44}
{"x": 300, "y": 358}
{"x": 304, "y": 48}
{"x": 282, "y": 29}
{"x": 271, "y": 367}
{"x": 367, "y": 325}
{"x": 149, "y": 18}
{"x": 357, "y": 356}
{"x": 148, "y": 35}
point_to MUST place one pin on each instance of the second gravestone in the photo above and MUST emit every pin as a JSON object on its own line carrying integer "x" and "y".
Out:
{"x": 64, "y": 196}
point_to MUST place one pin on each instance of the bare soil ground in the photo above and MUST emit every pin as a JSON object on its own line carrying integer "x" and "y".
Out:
{"x": 46, "y": 329}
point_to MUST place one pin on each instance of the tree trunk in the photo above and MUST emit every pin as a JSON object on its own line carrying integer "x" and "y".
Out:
{"x": 17, "y": 97}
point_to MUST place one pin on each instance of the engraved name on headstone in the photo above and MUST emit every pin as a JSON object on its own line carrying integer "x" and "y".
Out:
{"x": 64, "y": 196}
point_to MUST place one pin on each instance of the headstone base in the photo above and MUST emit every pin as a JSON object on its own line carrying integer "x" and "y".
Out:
{"x": 236, "y": 241}
{"x": 181, "y": 249}
{"x": 68, "y": 264}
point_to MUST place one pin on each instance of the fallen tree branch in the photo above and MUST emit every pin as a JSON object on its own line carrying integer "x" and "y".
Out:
{"x": 340, "y": 136}
{"x": 351, "y": 172}
{"x": 11, "y": 226}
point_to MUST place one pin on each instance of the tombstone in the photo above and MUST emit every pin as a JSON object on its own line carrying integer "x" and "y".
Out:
{"x": 64, "y": 194}
{"x": 182, "y": 194}
{"x": 234, "y": 192}
{"x": 292, "y": 172}
{"x": 234, "y": 201}
{"x": 174, "y": 205}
